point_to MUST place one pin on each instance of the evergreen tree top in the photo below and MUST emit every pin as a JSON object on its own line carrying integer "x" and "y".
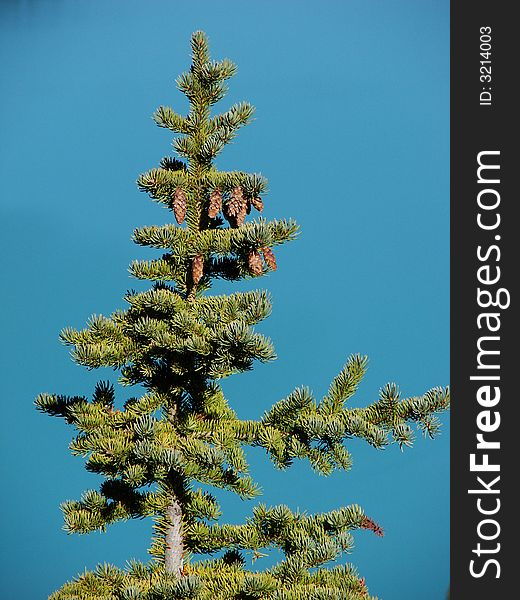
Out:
{"x": 159, "y": 451}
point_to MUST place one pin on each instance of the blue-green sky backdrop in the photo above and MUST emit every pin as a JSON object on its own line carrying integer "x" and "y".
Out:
{"x": 352, "y": 130}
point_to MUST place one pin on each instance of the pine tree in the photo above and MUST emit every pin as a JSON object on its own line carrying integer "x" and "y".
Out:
{"x": 161, "y": 450}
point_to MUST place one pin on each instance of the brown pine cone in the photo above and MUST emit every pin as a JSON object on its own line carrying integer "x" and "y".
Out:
{"x": 197, "y": 268}
{"x": 237, "y": 203}
{"x": 255, "y": 263}
{"x": 179, "y": 205}
{"x": 258, "y": 204}
{"x": 367, "y": 523}
{"x": 269, "y": 257}
{"x": 241, "y": 217}
{"x": 215, "y": 203}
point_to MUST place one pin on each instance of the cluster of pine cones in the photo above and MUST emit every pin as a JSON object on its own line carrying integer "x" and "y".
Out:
{"x": 254, "y": 261}
{"x": 237, "y": 207}
{"x": 235, "y": 211}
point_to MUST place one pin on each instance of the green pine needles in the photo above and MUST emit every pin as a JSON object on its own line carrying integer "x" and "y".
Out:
{"x": 159, "y": 453}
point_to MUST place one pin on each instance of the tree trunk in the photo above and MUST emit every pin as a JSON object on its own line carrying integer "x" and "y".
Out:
{"x": 174, "y": 549}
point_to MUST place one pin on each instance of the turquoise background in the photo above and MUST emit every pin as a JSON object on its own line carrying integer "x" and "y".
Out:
{"x": 352, "y": 130}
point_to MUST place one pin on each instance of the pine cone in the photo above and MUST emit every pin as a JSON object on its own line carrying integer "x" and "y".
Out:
{"x": 237, "y": 203}
{"x": 367, "y": 523}
{"x": 215, "y": 203}
{"x": 255, "y": 263}
{"x": 197, "y": 268}
{"x": 269, "y": 258}
{"x": 258, "y": 204}
{"x": 179, "y": 205}
{"x": 241, "y": 217}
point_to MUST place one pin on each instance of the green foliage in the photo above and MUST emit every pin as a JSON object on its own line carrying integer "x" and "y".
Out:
{"x": 220, "y": 579}
{"x": 159, "y": 451}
